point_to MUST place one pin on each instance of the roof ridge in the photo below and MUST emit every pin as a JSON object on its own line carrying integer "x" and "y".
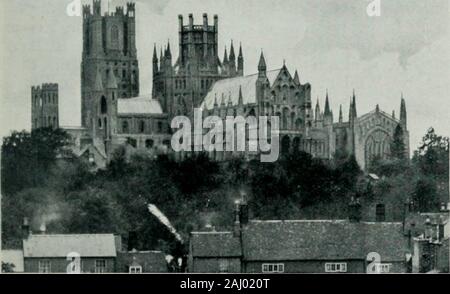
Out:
{"x": 69, "y": 235}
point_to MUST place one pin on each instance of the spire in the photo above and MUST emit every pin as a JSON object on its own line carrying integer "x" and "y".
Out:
{"x": 168, "y": 51}
{"x": 262, "y": 63}
{"x": 225, "y": 56}
{"x": 354, "y": 112}
{"x": 241, "y": 99}
{"x": 317, "y": 112}
{"x": 341, "y": 117}
{"x": 230, "y": 102}
{"x": 112, "y": 82}
{"x": 155, "y": 55}
{"x": 98, "y": 87}
{"x": 222, "y": 102}
{"x": 296, "y": 78}
{"x": 393, "y": 114}
{"x": 240, "y": 62}
{"x": 232, "y": 55}
{"x": 403, "y": 114}
{"x": 327, "y": 105}
{"x": 377, "y": 108}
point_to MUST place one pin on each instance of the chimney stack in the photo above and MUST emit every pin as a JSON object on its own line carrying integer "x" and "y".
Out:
{"x": 132, "y": 241}
{"x": 355, "y": 213}
{"x": 43, "y": 228}
{"x": 25, "y": 229}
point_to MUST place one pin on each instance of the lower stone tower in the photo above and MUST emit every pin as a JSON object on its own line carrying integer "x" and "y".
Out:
{"x": 44, "y": 106}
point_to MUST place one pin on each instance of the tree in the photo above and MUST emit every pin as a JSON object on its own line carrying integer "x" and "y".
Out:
{"x": 28, "y": 157}
{"x": 433, "y": 155}
{"x": 398, "y": 149}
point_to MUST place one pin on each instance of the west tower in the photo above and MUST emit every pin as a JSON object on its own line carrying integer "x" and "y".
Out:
{"x": 109, "y": 45}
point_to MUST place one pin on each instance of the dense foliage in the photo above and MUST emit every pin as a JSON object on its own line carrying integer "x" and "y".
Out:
{"x": 70, "y": 198}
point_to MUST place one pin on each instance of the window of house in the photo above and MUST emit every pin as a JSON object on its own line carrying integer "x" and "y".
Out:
{"x": 135, "y": 269}
{"x": 380, "y": 213}
{"x": 100, "y": 266}
{"x": 224, "y": 265}
{"x": 149, "y": 143}
{"x": 273, "y": 268}
{"x": 160, "y": 127}
{"x": 44, "y": 266}
{"x": 100, "y": 123}
{"x": 334, "y": 267}
{"x": 383, "y": 268}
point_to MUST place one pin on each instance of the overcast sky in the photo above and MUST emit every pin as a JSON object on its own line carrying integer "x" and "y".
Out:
{"x": 334, "y": 44}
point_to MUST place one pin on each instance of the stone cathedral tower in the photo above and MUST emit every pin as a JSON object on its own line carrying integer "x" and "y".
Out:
{"x": 181, "y": 86}
{"x": 109, "y": 59}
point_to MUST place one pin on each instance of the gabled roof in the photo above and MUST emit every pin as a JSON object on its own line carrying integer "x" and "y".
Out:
{"x": 215, "y": 244}
{"x": 87, "y": 245}
{"x": 322, "y": 240}
{"x": 139, "y": 105}
{"x": 229, "y": 88}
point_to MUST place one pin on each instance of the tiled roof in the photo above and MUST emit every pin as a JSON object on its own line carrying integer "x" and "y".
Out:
{"x": 215, "y": 244}
{"x": 87, "y": 245}
{"x": 319, "y": 240}
{"x": 139, "y": 105}
{"x": 151, "y": 261}
{"x": 230, "y": 88}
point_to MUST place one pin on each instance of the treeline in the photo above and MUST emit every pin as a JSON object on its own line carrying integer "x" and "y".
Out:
{"x": 70, "y": 198}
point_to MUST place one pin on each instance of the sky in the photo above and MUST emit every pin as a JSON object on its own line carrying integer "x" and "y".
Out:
{"x": 334, "y": 44}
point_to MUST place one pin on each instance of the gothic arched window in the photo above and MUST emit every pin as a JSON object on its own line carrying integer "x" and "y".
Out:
{"x": 142, "y": 126}
{"x": 114, "y": 34}
{"x": 125, "y": 128}
{"x": 103, "y": 105}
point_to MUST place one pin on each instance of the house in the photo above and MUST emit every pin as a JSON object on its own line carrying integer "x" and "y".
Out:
{"x": 430, "y": 241}
{"x": 302, "y": 246}
{"x": 137, "y": 262}
{"x": 43, "y": 253}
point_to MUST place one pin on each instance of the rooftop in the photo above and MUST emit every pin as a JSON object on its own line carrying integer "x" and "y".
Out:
{"x": 229, "y": 89}
{"x": 305, "y": 240}
{"x": 139, "y": 105}
{"x": 87, "y": 245}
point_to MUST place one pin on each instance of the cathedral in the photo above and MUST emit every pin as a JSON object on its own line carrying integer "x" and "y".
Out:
{"x": 114, "y": 113}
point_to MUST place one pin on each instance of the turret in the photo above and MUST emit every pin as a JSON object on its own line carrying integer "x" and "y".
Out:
{"x": 262, "y": 68}
{"x": 98, "y": 7}
{"x": 240, "y": 62}
{"x": 262, "y": 80}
